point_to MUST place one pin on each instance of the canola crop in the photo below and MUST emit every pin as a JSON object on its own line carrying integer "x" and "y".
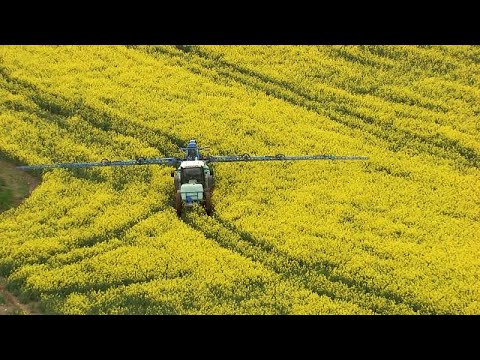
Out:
{"x": 398, "y": 234}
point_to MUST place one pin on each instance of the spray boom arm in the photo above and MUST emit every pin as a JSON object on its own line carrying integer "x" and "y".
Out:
{"x": 191, "y": 153}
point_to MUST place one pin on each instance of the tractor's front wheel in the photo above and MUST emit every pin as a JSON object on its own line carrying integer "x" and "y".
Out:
{"x": 208, "y": 203}
{"x": 178, "y": 203}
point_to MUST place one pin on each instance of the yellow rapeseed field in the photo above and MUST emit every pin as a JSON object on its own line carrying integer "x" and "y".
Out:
{"x": 399, "y": 234}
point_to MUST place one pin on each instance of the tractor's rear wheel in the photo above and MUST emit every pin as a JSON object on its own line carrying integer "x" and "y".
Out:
{"x": 208, "y": 203}
{"x": 178, "y": 203}
{"x": 210, "y": 183}
{"x": 176, "y": 183}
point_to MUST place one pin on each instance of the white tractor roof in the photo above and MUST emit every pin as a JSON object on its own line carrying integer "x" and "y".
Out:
{"x": 192, "y": 163}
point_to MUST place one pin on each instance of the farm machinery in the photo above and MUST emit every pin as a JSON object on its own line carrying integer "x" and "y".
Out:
{"x": 193, "y": 178}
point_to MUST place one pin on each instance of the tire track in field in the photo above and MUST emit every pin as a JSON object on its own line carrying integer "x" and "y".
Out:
{"x": 12, "y": 304}
{"x": 318, "y": 278}
{"x": 342, "y": 112}
{"x": 57, "y": 108}
{"x": 64, "y": 292}
{"x": 87, "y": 242}
{"x": 119, "y": 233}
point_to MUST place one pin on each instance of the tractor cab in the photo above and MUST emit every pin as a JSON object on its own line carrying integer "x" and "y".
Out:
{"x": 191, "y": 172}
{"x": 189, "y": 175}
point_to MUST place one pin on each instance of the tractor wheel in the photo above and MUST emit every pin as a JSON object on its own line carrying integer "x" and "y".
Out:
{"x": 208, "y": 203}
{"x": 178, "y": 203}
{"x": 176, "y": 183}
{"x": 210, "y": 183}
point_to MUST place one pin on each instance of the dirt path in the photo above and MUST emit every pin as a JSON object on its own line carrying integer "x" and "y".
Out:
{"x": 21, "y": 184}
{"x": 9, "y": 304}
